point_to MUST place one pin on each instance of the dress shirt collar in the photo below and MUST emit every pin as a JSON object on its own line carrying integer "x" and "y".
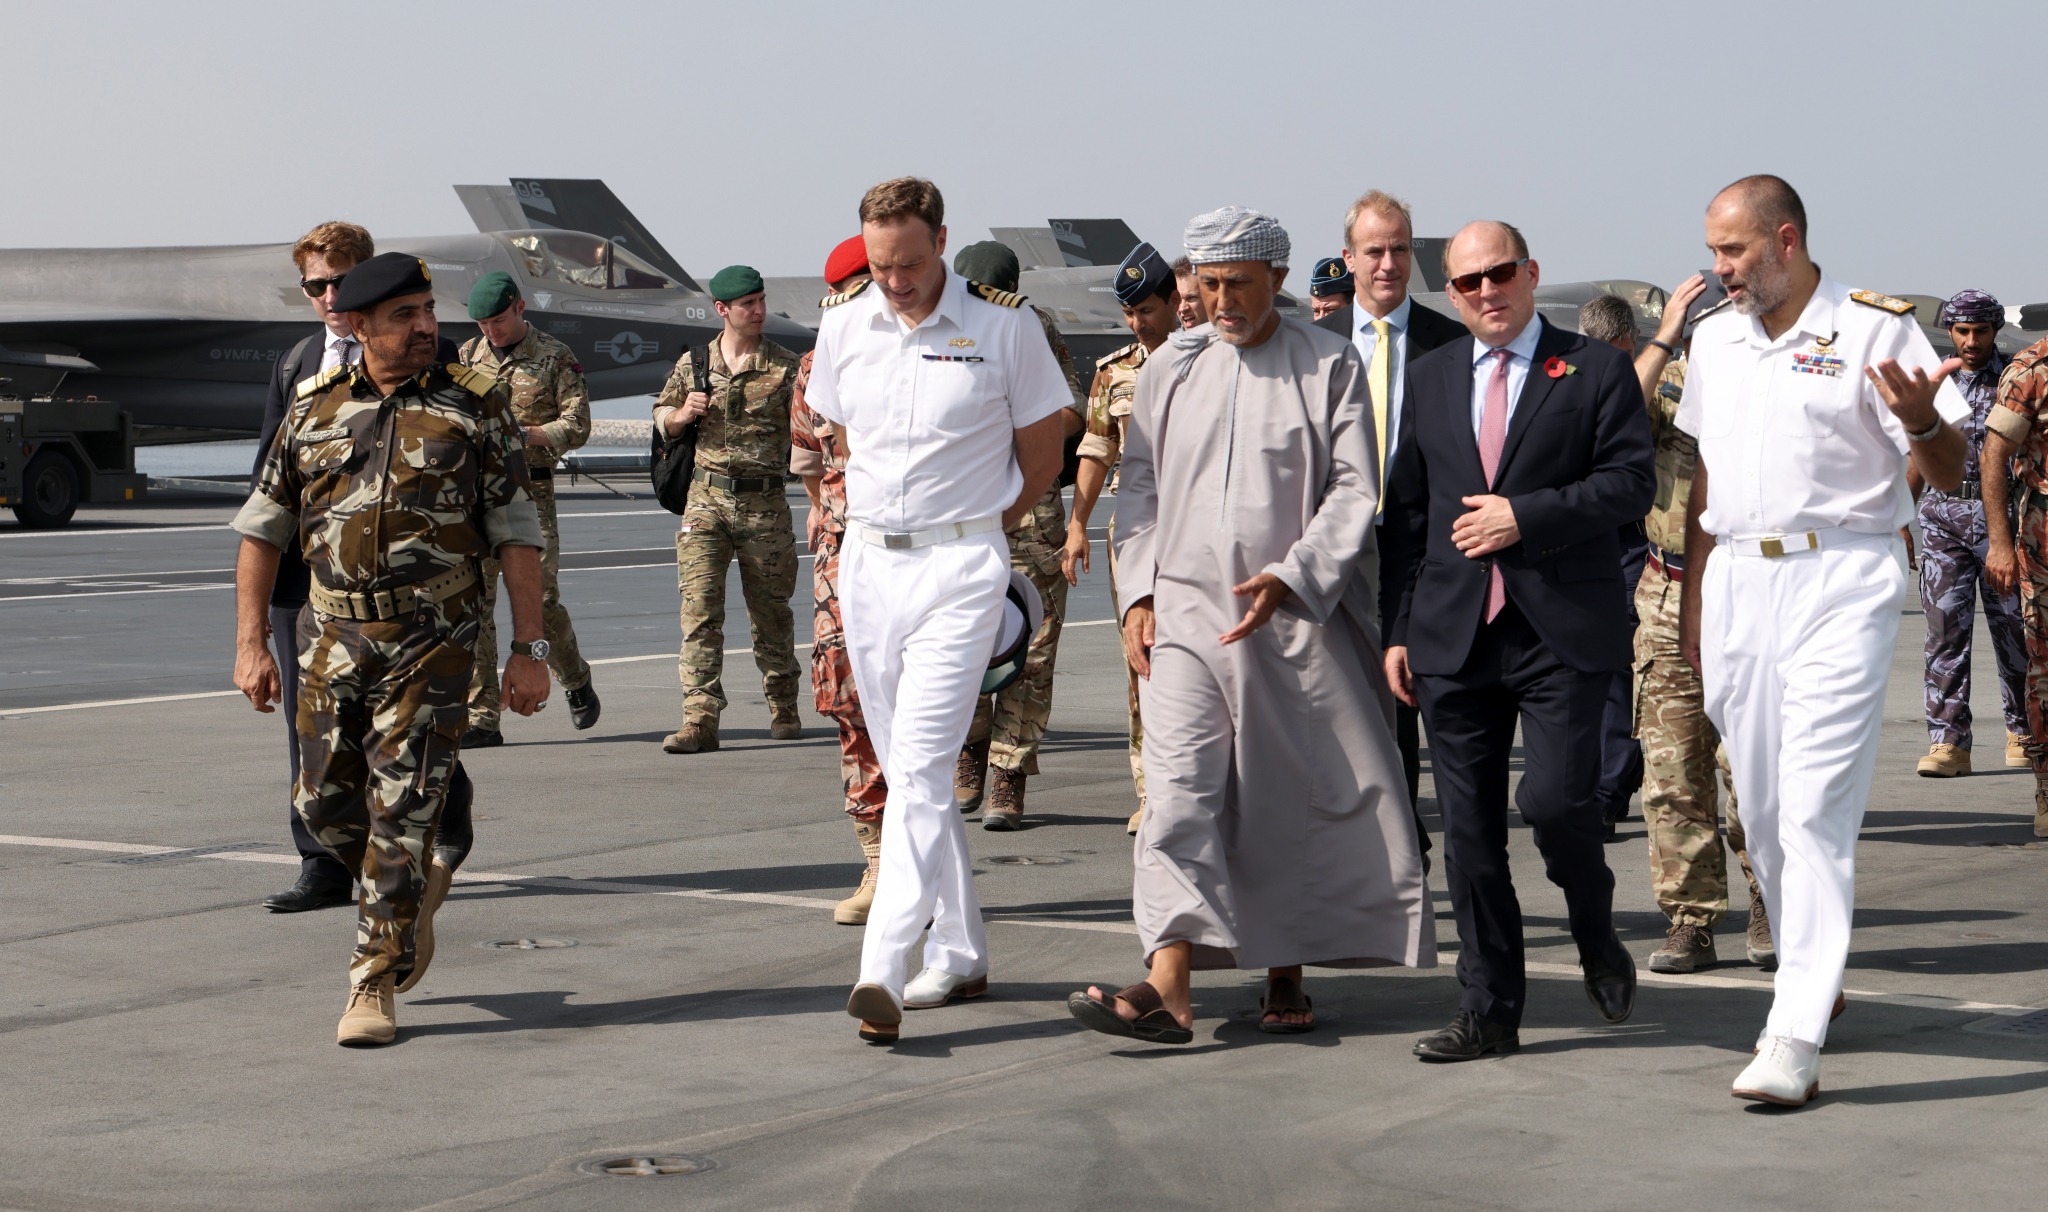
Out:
{"x": 1523, "y": 346}
{"x": 952, "y": 303}
{"x": 1816, "y": 320}
{"x": 1397, "y": 319}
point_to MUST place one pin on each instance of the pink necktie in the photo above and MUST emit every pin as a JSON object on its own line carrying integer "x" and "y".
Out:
{"x": 1493, "y": 438}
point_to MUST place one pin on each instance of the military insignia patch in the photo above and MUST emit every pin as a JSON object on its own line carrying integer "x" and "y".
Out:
{"x": 1818, "y": 362}
{"x": 1870, "y": 298}
{"x": 961, "y": 342}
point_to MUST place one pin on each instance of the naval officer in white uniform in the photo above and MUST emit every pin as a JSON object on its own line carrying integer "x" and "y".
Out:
{"x": 952, "y": 405}
{"x": 1808, "y": 399}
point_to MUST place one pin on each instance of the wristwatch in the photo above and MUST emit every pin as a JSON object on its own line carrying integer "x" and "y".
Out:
{"x": 537, "y": 649}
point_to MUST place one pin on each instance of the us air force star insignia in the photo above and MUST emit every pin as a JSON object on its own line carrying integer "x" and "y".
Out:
{"x": 961, "y": 342}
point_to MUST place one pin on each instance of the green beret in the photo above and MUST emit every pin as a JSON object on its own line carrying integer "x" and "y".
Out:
{"x": 736, "y": 282}
{"x": 991, "y": 263}
{"x": 493, "y": 293}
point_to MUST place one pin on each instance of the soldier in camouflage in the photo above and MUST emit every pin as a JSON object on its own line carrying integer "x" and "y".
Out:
{"x": 552, "y": 407}
{"x": 1681, "y": 751}
{"x": 1954, "y": 540}
{"x": 818, "y": 457}
{"x": 1151, "y": 305}
{"x": 2014, "y": 467}
{"x": 1002, "y": 743}
{"x": 398, "y": 475}
{"x": 737, "y": 511}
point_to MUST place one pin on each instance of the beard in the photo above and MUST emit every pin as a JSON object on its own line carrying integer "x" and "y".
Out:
{"x": 1766, "y": 288}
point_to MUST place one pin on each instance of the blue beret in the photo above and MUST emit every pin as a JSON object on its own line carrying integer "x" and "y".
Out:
{"x": 384, "y": 276}
{"x": 1331, "y": 277}
{"x": 736, "y": 282}
{"x": 1143, "y": 274}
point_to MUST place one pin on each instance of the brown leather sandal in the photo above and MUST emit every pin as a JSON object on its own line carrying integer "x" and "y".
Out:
{"x": 1154, "y": 1024}
{"x": 1282, "y": 995}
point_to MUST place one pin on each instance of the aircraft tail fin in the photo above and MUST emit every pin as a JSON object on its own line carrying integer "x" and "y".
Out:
{"x": 492, "y": 207}
{"x": 1094, "y": 241}
{"x": 589, "y": 205}
{"x": 1035, "y": 246}
{"x": 1429, "y": 261}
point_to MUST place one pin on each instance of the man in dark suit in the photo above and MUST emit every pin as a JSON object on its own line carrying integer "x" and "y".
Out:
{"x": 1379, "y": 250}
{"x": 323, "y": 257}
{"x": 1526, "y": 449}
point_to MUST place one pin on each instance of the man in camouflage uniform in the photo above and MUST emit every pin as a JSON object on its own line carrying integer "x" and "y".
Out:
{"x": 552, "y": 407}
{"x": 1681, "y": 751}
{"x": 2014, "y": 467}
{"x": 818, "y": 457}
{"x": 737, "y": 511}
{"x": 1151, "y": 305}
{"x": 1953, "y": 545}
{"x": 398, "y": 475}
{"x": 1009, "y": 725}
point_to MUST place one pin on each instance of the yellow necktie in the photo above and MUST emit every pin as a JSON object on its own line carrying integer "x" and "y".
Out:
{"x": 1376, "y": 380}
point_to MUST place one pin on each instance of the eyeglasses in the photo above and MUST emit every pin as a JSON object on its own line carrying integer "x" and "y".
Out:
{"x": 1499, "y": 275}
{"x": 315, "y": 287}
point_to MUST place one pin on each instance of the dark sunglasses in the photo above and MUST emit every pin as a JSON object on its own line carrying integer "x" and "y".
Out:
{"x": 315, "y": 287}
{"x": 1499, "y": 275}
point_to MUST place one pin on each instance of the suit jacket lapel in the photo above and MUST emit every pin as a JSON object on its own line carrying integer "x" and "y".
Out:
{"x": 1535, "y": 391}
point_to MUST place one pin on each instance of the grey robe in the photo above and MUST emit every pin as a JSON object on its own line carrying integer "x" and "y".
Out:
{"x": 1277, "y": 829}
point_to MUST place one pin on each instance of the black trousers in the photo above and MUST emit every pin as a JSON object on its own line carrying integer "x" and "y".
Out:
{"x": 1511, "y": 676}
{"x": 314, "y": 860}
{"x": 1621, "y": 755}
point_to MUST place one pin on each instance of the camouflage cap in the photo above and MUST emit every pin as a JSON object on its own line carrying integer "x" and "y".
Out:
{"x": 384, "y": 276}
{"x": 492, "y": 294}
{"x": 1972, "y": 307}
{"x": 736, "y": 282}
{"x": 1331, "y": 277}
{"x": 1143, "y": 274}
{"x": 991, "y": 263}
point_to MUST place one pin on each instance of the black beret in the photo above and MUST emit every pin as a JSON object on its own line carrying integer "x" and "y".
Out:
{"x": 1331, "y": 277}
{"x": 384, "y": 276}
{"x": 991, "y": 263}
{"x": 1143, "y": 274}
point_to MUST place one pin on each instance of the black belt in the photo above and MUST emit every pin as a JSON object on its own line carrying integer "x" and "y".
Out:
{"x": 739, "y": 484}
{"x": 1968, "y": 490}
{"x": 539, "y": 473}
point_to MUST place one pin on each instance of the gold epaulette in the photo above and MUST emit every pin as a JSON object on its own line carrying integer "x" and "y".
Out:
{"x": 472, "y": 380}
{"x": 1001, "y": 298}
{"x": 844, "y": 295}
{"x": 1716, "y": 309}
{"x": 1870, "y": 298}
{"x": 313, "y": 385}
{"x": 1114, "y": 356}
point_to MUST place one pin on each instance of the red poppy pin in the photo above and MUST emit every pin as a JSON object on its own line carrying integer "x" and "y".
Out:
{"x": 1558, "y": 368}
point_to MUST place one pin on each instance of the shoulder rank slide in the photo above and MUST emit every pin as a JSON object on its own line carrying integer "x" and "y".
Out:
{"x": 1715, "y": 310}
{"x": 1870, "y": 298}
{"x": 1001, "y": 298}
{"x": 312, "y": 385}
{"x": 472, "y": 380}
{"x": 844, "y": 295}
{"x": 1114, "y": 356}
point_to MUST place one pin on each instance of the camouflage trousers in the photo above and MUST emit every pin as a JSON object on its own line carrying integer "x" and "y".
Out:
{"x": 381, "y": 714}
{"x": 1681, "y": 751}
{"x": 832, "y": 686}
{"x": 1953, "y": 545}
{"x": 1131, "y": 677}
{"x": 754, "y": 528}
{"x": 564, "y": 657}
{"x": 1013, "y": 721}
{"x": 2031, "y": 530}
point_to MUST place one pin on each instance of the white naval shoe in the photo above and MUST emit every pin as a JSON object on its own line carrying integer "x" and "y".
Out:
{"x": 1786, "y": 1071}
{"x": 934, "y": 987}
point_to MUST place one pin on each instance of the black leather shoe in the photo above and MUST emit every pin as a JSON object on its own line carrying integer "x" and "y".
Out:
{"x": 1611, "y": 985}
{"x": 583, "y": 705}
{"x": 482, "y": 738}
{"x": 1469, "y": 1037}
{"x": 456, "y": 833}
{"x": 311, "y": 892}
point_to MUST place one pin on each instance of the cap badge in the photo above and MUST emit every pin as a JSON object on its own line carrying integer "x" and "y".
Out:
{"x": 423, "y": 272}
{"x": 1134, "y": 273}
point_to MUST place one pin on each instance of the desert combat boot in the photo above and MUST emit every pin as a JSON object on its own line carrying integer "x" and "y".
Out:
{"x": 371, "y": 1017}
{"x": 783, "y": 722}
{"x": 853, "y": 911}
{"x": 1944, "y": 762}
{"x": 699, "y": 735}
{"x": 1689, "y": 947}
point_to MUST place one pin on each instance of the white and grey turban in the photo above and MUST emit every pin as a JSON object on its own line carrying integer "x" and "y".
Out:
{"x": 1236, "y": 234}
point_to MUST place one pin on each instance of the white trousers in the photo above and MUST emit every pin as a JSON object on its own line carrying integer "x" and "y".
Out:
{"x": 1794, "y": 654}
{"x": 920, "y": 626}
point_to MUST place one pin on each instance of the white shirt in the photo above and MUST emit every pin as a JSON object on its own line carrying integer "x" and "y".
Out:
{"x": 1366, "y": 340}
{"x": 330, "y": 353}
{"x": 931, "y": 412}
{"x": 1521, "y": 352}
{"x": 1792, "y": 433}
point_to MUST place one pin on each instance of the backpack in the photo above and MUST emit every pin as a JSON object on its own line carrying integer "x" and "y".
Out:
{"x": 674, "y": 460}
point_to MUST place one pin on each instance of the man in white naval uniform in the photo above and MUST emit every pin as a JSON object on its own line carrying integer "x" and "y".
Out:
{"x": 952, "y": 405}
{"x": 1808, "y": 399}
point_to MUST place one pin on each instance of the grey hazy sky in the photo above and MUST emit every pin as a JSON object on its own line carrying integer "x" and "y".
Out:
{"x": 746, "y": 131}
